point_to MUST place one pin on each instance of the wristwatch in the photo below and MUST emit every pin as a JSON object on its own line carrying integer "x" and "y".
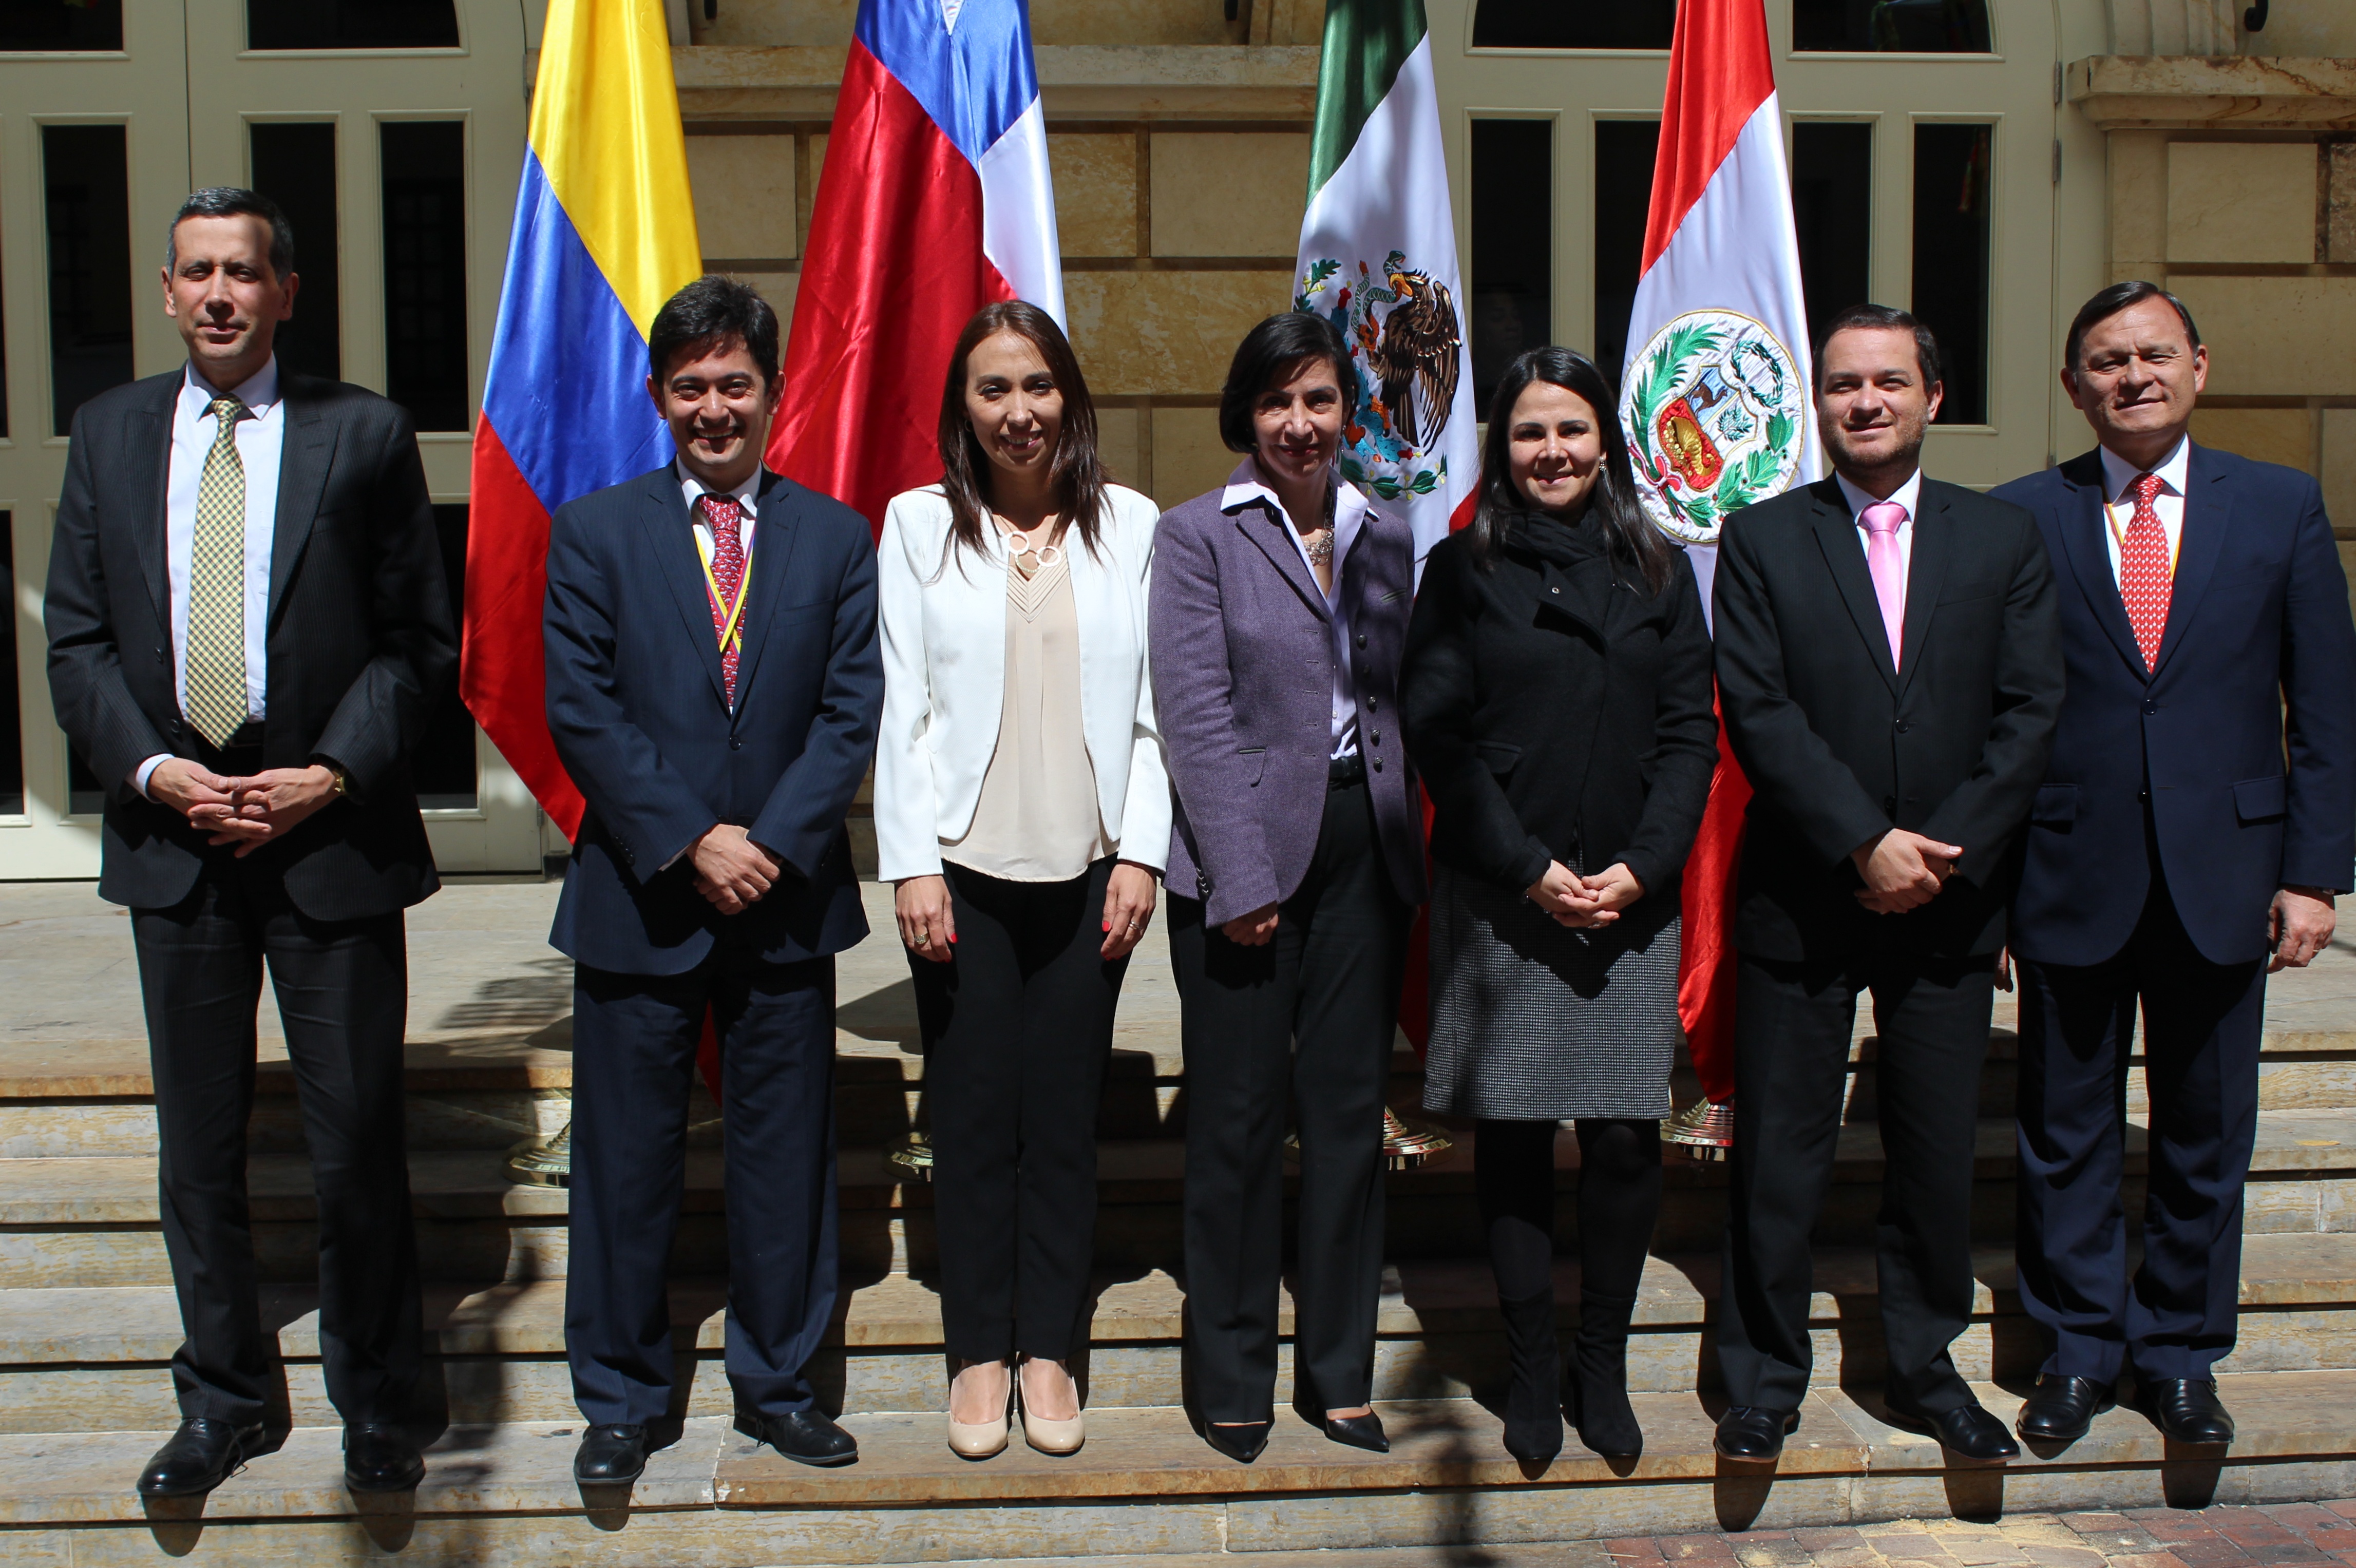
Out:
{"x": 343, "y": 779}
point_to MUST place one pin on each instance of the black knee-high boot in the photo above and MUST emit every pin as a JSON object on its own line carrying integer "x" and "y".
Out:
{"x": 1533, "y": 1406}
{"x": 1618, "y": 1199}
{"x": 1514, "y": 1173}
{"x": 1599, "y": 1376}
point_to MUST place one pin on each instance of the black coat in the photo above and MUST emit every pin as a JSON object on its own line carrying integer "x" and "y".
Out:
{"x": 1559, "y": 713}
{"x": 1841, "y": 747}
{"x": 360, "y": 641}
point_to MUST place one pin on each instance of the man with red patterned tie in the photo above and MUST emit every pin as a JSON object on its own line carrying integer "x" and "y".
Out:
{"x": 714, "y": 684}
{"x": 2197, "y": 818}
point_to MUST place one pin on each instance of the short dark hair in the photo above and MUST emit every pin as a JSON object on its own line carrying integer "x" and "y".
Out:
{"x": 1270, "y": 355}
{"x": 233, "y": 201}
{"x": 1881, "y": 317}
{"x": 709, "y": 314}
{"x": 2109, "y": 302}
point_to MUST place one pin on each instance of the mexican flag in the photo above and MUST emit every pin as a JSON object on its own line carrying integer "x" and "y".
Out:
{"x": 1378, "y": 259}
{"x": 1716, "y": 398}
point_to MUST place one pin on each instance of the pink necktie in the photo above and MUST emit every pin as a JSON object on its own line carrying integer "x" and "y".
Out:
{"x": 1888, "y": 569}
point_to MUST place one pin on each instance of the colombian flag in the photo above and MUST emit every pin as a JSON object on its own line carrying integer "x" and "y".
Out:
{"x": 604, "y": 232}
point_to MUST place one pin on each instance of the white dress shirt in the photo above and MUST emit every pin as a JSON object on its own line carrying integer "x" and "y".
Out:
{"x": 259, "y": 440}
{"x": 1349, "y": 516}
{"x": 694, "y": 489}
{"x": 2118, "y": 499}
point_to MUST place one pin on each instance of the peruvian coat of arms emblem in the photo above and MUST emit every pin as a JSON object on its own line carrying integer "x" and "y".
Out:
{"x": 1403, "y": 331}
{"x": 1716, "y": 417}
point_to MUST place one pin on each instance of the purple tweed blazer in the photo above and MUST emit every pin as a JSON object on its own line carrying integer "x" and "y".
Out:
{"x": 1243, "y": 679}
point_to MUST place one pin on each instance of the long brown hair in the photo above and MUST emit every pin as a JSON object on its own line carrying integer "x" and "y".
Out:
{"x": 1076, "y": 470}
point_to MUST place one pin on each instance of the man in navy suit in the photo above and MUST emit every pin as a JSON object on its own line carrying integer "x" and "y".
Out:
{"x": 714, "y": 684}
{"x": 2172, "y": 858}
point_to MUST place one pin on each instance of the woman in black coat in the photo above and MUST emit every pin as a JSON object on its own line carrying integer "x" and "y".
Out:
{"x": 1557, "y": 699}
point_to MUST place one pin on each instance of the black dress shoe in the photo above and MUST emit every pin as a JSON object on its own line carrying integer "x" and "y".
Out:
{"x": 1240, "y": 1442}
{"x": 610, "y": 1453}
{"x": 2186, "y": 1409}
{"x": 806, "y": 1437}
{"x": 379, "y": 1458}
{"x": 1967, "y": 1432}
{"x": 200, "y": 1456}
{"x": 2060, "y": 1409}
{"x": 1359, "y": 1432}
{"x": 1752, "y": 1434}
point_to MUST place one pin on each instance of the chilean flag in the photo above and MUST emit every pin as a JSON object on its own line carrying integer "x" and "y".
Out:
{"x": 935, "y": 201}
{"x": 1717, "y": 400}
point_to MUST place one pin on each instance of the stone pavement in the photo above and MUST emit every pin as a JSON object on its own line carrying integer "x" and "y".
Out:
{"x": 2221, "y": 1537}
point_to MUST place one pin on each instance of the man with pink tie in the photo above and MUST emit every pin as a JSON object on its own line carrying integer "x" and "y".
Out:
{"x": 1889, "y": 665}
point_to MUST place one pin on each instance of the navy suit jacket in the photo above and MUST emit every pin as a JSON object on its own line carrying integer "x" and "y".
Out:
{"x": 637, "y": 704}
{"x": 2257, "y": 666}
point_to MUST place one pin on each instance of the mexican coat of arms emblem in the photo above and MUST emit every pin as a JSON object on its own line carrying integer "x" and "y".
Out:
{"x": 1403, "y": 331}
{"x": 1716, "y": 417}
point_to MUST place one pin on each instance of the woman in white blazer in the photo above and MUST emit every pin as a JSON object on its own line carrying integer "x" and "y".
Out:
{"x": 1022, "y": 814}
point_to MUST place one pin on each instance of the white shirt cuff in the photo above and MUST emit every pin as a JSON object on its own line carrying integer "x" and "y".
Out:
{"x": 146, "y": 771}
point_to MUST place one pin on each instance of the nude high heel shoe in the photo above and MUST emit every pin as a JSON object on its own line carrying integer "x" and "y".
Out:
{"x": 979, "y": 1439}
{"x": 1053, "y": 1436}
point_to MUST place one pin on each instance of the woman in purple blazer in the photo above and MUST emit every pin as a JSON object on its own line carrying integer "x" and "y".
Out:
{"x": 1279, "y": 611}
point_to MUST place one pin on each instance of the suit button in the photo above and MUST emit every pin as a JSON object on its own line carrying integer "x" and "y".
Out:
{"x": 1903, "y": 726}
{"x": 161, "y": 656}
{"x": 1379, "y": 765}
{"x": 1362, "y": 639}
{"x": 1377, "y": 736}
{"x": 1554, "y": 589}
{"x": 2150, "y": 706}
{"x": 1372, "y": 705}
{"x": 735, "y": 742}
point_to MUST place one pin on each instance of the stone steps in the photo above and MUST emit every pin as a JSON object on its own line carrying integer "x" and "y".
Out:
{"x": 1144, "y": 1486}
{"x": 76, "y": 1359}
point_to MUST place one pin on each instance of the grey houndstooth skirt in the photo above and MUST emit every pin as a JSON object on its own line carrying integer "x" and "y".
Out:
{"x": 1532, "y": 1021}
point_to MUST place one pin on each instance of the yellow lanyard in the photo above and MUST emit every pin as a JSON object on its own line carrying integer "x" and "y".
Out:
{"x": 733, "y": 632}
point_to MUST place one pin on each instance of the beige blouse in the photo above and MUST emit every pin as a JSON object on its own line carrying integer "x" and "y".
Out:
{"x": 1037, "y": 819}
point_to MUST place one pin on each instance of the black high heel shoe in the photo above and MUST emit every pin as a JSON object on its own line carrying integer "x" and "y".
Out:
{"x": 1533, "y": 1406}
{"x": 1241, "y": 1442}
{"x": 1359, "y": 1432}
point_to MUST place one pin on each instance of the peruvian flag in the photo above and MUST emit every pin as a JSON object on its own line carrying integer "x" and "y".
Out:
{"x": 1716, "y": 398}
{"x": 935, "y": 201}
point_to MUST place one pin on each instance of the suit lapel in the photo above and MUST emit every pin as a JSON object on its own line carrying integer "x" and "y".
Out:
{"x": 671, "y": 541}
{"x": 1837, "y": 535}
{"x": 2208, "y": 513}
{"x": 150, "y": 431}
{"x": 775, "y": 538}
{"x": 305, "y": 451}
{"x": 2084, "y": 528}
{"x": 1261, "y": 524}
{"x": 1926, "y": 570}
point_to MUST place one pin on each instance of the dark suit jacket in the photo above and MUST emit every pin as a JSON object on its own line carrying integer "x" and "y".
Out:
{"x": 2258, "y": 633}
{"x": 1840, "y": 747}
{"x": 637, "y": 707}
{"x": 1241, "y": 645}
{"x": 359, "y": 641}
{"x": 1560, "y": 714}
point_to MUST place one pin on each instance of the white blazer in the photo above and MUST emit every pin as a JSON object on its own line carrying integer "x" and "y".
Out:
{"x": 944, "y": 622}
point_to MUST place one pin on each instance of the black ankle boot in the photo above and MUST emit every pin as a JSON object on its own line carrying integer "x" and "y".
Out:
{"x": 1533, "y": 1407}
{"x": 1599, "y": 1377}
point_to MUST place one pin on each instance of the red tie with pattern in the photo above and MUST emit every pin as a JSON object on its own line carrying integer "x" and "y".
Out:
{"x": 727, "y": 584}
{"x": 2146, "y": 575}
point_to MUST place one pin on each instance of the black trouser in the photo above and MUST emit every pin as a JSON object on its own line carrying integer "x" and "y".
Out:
{"x": 2202, "y": 1026}
{"x": 1308, "y": 1017}
{"x": 1619, "y": 1199}
{"x": 634, "y": 1041}
{"x": 1017, "y": 1027}
{"x": 343, "y": 996}
{"x": 1793, "y": 1023}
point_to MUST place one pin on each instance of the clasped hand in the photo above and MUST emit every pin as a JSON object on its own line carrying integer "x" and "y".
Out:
{"x": 1585, "y": 902}
{"x": 246, "y": 811}
{"x": 1902, "y": 870}
{"x": 732, "y": 872}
